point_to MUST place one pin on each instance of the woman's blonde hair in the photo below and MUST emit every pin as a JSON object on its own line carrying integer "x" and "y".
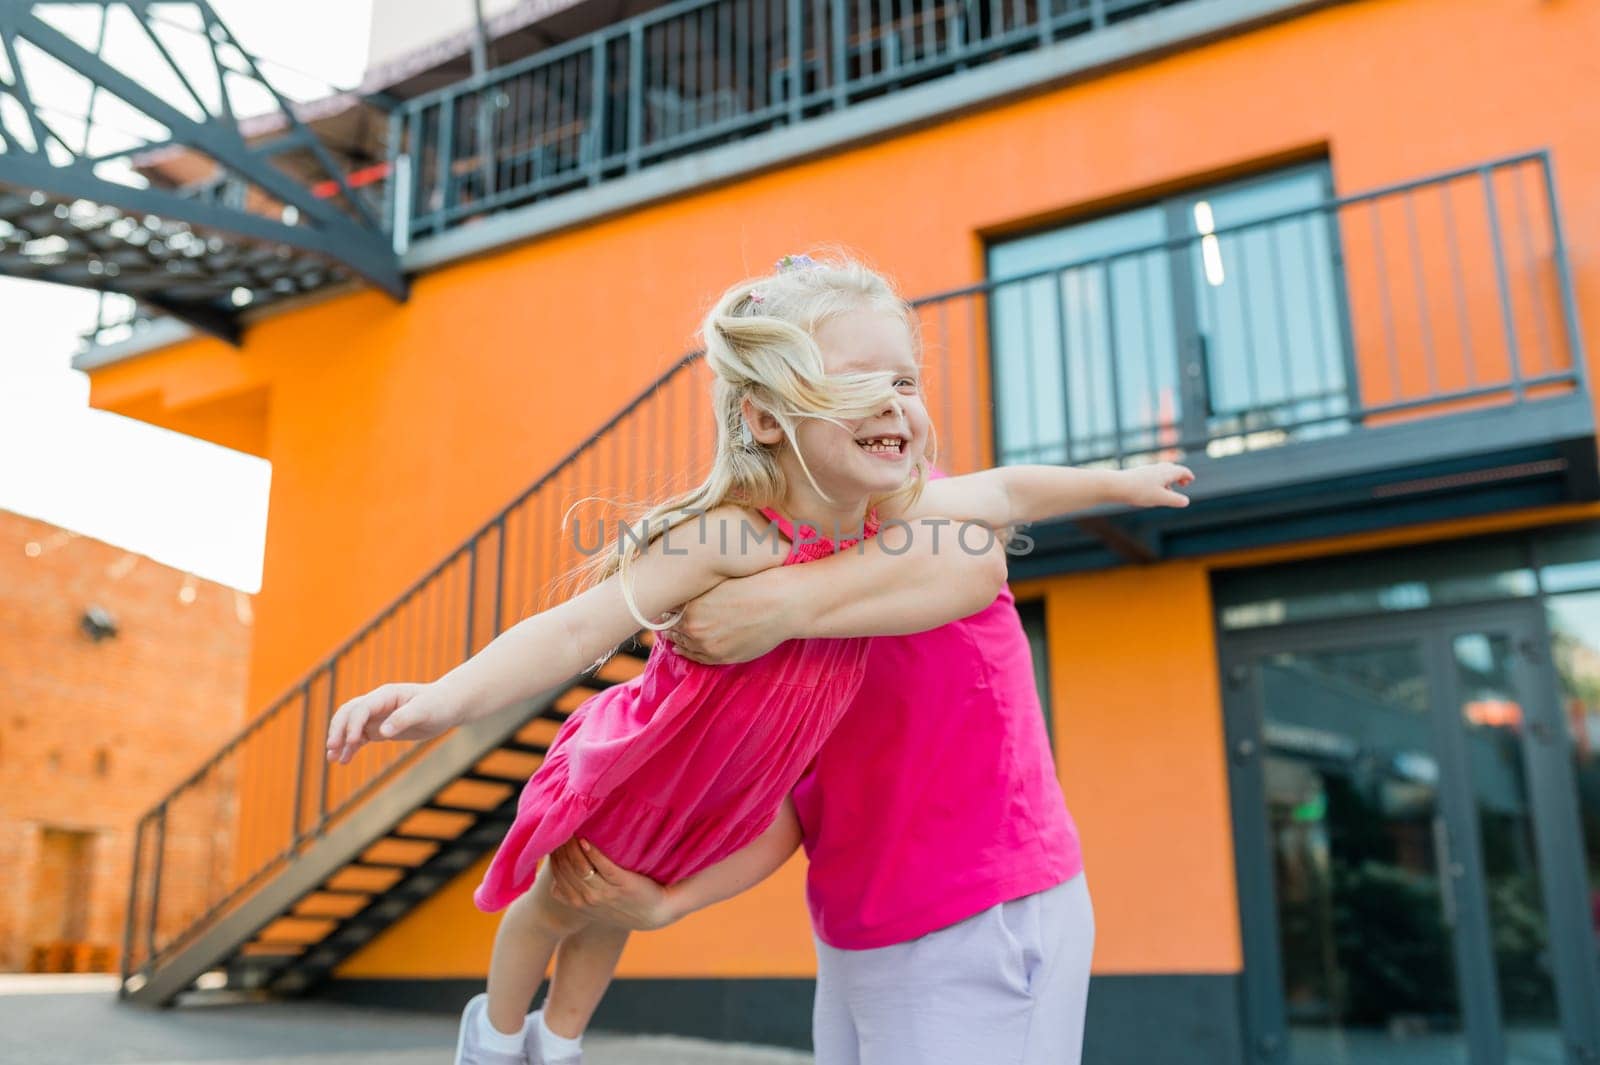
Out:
{"x": 759, "y": 344}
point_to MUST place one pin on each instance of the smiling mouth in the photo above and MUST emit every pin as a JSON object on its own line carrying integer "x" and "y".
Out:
{"x": 882, "y": 445}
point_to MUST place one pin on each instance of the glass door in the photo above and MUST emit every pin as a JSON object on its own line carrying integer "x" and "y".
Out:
{"x": 1406, "y": 880}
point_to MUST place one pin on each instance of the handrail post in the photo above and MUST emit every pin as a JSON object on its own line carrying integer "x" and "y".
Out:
{"x": 635, "y": 94}
{"x": 1569, "y": 299}
{"x": 1503, "y": 281}
{"x": 300, "y": 764}
{"x": 499, "y": 572}
{"x": 446, "y": 159}
{"x": 472, "y": 595}
{"x": 123, "y": 971}
{"x": 797, "y": 79}
{"x": 322, "y": 787}
{"x": 841, "y": 83}
{"x": 155, "y": 885}
{"x": 599, "y": 79}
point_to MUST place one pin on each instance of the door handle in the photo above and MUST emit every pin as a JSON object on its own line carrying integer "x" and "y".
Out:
{"x": 1448, "y": 870}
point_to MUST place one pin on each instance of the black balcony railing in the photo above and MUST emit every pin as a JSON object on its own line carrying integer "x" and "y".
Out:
{"x": 688, "y": 76}
{"x": 1443, "y": 299}
{"x": 1434, "y": 296}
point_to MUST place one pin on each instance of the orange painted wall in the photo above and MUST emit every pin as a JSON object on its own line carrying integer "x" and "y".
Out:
{"x": 396, "y": 429}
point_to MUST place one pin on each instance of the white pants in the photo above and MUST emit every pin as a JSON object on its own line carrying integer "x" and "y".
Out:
{"x": 1005, "y": 987}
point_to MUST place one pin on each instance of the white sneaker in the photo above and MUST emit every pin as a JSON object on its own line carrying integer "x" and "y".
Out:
{"x": 536, "y": 1051}
{"x": 470, "y": 1049}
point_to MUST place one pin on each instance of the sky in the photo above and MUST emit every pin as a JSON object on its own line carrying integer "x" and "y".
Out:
{"x": 180, "y": 501}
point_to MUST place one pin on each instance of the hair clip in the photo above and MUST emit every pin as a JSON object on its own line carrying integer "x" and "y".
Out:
{"x": 796, "y": 262}
{"x": 757, "y": 296}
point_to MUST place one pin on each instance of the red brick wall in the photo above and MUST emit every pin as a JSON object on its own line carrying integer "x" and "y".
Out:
{"x": 92, "y": 734}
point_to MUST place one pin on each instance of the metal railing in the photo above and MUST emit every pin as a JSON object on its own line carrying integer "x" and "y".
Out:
{"x": 1424, "y": 298}
{"x": 687, "y": 76}
{"x": 1467, "y": 301}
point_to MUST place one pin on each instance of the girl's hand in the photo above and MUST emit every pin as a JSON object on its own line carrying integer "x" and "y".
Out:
{"x": 1152, "y": 486}
{"x": 389, "y": 712}
{"x": 591, "y": 883}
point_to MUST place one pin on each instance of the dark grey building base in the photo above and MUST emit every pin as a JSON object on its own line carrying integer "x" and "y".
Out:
{"x": 1133, "y": 1020}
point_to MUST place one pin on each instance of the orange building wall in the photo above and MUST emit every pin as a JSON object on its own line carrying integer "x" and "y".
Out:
{"x": 94, "y": 734}
{"x": 396, "y": 429}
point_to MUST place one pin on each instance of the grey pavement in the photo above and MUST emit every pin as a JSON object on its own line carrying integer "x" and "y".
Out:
{"x": 78, "y": 1021}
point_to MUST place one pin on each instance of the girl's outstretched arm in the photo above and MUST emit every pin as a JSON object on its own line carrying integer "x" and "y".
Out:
{"x": 544, "y": 650}
{"x": 1017, "y": 495}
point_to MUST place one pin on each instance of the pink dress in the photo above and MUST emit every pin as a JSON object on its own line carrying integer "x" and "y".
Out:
{"x": 684, "y": 764}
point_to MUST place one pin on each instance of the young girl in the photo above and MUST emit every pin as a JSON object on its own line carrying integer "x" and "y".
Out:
{"x": 683, "y": 772}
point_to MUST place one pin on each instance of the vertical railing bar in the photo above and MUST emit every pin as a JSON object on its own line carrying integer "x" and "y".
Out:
{"x": 446, "y": 160}
{"x": 1280, "y": 316}
{"x": 1252, "y": 358}
{"x": 946, "y": 386}
{"x": 125, "y": 963}
{"x": 1151, "y": 370}
{"x": 796, "y": 75}
{"x": 1558, "y": 249}
{"x": 155, "y": 885}
{"x": 1383, "y": 298}
{"x": 1027, "y": 362}
{"x": 1097, "y": 11}
{"x": 984, "y": 294}
{"x": 1547, "y": 359}
{"x": 499, "y": 573}
{"x": 300, "y": 764}
{"x": 1423, "y": 317}
{"x": 1458, "y": 285}
{"x": 1112, "y": 369}
{"x": 414, "y": 177}
{"x": 599, "y": 96}
{"x": 1314, "y": 308}
{"x": 884, "y": 32}
{"x": 1504, "y": 283}
{"x": 742, "y": 47}
{"x": 635, "y": 95}
{"x": 1056, "y": 283}
{"x": 472, "y": 597}
{"x": 322, "y": 786}
{"x": 840, "y": 37}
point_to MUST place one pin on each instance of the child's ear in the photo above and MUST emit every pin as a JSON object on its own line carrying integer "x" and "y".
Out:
{"x": 763, "y": 426}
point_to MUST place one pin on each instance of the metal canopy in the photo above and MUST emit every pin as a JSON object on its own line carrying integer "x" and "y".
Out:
{"x": 250, "y": 228}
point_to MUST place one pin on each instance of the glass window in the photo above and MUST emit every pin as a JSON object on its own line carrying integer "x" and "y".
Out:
{"x": 1569, "y": 558}
{"x": 1575, "y": 648}
{"x": 1374, "y": 583}
{"x": 1092, "y": 349}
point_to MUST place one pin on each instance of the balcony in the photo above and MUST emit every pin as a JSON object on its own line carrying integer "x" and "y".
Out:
{"x": 696, "y": 74}
{"x": 1324, "y": 364}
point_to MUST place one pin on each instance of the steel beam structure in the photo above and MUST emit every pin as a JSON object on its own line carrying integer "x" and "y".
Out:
{"x": 76, "y": 208}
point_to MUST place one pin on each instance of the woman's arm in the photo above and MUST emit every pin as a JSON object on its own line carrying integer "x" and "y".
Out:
{"x": 900, "y": 581}
{"x": 589, "y": 881}
{"x": 550, "y": 647}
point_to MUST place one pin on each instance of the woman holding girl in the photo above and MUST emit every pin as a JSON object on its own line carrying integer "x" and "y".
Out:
{"x": 683, "y": 774}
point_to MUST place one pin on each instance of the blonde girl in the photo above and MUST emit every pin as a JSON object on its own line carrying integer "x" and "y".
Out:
{"x": 683, "y": 772}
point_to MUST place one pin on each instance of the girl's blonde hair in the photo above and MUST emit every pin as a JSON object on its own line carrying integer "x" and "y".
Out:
{"x": 759, "y": 344}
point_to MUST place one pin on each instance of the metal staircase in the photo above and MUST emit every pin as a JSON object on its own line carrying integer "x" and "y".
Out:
{"x": 268, "y": 867}
{"x": 160, "y": 190}
{"x": 356, "y": 880}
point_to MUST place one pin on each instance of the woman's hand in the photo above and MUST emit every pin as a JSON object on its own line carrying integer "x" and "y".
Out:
{"x": 1152, "y": 486}
{"x": 591, "y": 883}
{"x": 389, "y": 712}
{"x": 734, "y": 622}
